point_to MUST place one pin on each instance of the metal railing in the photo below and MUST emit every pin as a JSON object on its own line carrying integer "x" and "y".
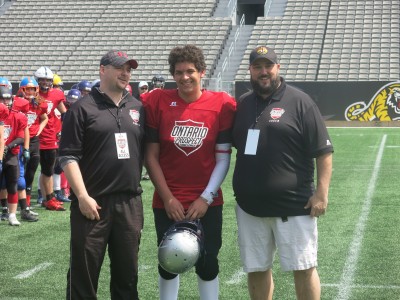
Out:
{"x": 232, "y": 48}
{"x": 267, "y": 7}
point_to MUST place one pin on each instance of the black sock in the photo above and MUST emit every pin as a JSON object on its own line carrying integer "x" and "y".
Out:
{"x": 4, "y": 204}
{"x": 22, "y": 203}
{"x": 50, "y": 196}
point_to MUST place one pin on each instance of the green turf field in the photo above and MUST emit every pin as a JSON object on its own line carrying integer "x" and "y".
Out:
{"x": 359, "y": 241}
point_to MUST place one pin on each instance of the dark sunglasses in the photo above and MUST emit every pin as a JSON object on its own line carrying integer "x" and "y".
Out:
{"x": 144, "y": 88}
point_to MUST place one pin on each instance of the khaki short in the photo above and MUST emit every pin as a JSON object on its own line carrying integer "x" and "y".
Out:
{"x": 296, "y": 240}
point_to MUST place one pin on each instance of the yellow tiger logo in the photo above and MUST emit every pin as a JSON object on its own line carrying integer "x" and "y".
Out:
{"x": 383, "y": 106}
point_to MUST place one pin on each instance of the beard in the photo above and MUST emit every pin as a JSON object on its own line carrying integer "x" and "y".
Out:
{"x": 266, "y": 90}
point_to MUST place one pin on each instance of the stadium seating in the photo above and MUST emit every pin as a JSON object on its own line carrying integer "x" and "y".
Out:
{"x": 334, "y": 40}
{"x": 70, "y": 36}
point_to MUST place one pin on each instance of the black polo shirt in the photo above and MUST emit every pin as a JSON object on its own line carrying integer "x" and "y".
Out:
{"x": 88, "y": 133}
{"x": 279, "y": 179}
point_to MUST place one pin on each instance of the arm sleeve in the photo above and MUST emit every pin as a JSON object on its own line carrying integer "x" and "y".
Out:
{"x": 223, "y": 159}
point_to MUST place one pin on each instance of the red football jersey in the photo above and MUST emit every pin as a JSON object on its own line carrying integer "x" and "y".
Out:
{"x": 14, "y": 126}
{"x": 4, "y": 112}
{"x": 21, "y": 104}
{"x": 48, "y": 137}
{"x": 188, "y": 133}
{"x": 57, "y": 121}
{"x": 33, "y": 116}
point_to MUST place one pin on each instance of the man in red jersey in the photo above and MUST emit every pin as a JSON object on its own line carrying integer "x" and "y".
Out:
{"x": 48, "y": 138}
{"x": 14, "y": 125}
{"x": 187, "y": 155}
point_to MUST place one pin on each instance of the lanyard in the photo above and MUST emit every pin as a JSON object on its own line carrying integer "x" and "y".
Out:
{"x": 116, "y": 117}
{"x": 259, "y": 115}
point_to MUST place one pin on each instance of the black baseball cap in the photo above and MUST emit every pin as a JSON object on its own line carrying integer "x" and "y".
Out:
{"x": 263, "y": 52}
{"x": 117, "y": 59}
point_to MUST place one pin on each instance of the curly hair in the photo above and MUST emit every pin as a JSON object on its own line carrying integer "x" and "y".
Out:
{"x": 187, "y": 53}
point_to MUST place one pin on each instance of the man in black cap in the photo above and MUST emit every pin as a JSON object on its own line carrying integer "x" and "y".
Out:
{"x": 101, "y": 155}
{"x": 279, "y": 134}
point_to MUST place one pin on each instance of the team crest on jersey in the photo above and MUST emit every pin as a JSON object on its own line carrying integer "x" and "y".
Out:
{"x": 276, "y": 113}
{"x": 135, "y": 115}
{"x": 49, "y": 106}
{"x": 31, "y": 118}
{"x": 188, "y": 135}
{"x": 7, "y": 132}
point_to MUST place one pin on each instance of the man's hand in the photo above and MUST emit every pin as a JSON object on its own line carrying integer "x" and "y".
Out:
{"x": 89, "y": 208}
{"x": 318, "y": 205}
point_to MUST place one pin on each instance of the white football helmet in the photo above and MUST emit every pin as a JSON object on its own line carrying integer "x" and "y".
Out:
{"x": 181, "y": 246}
{"x": 44, "y": 72}
{"x": 44, "y": 76}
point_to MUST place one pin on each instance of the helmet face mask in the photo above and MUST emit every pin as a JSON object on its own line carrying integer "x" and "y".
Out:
{"x": 181, "y": 246}
{"x": 84, "y": 87}
{"x": 158, "y": 82}
{"x": 73, "y": 96}
{"x": 29, "y": 88}
{"x": 45, "y": 84}
{"x": 6, "y": 96}
{"x": 44, "y": 77}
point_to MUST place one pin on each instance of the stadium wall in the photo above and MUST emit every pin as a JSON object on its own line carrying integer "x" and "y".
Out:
{"x": 368, "y": 101}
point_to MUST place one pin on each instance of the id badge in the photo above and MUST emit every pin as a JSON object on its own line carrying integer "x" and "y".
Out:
{"x": 121, "y": 140}
{"x": 252, "y": 142}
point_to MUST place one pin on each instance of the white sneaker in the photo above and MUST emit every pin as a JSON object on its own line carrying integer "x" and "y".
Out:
{"x": 12, "y": 220}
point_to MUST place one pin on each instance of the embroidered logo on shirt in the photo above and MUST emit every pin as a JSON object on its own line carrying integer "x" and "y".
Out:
{"x": 188, "y": 135}
{"x": 173, "y": 103}
{"x": 135, "y": 115}
{"x": 276, "y": 113}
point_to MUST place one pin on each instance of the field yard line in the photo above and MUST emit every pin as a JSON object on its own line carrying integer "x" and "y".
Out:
{"x": 365, "y": 286}
{"x": 31, "y": 272}
{"x": 366, "y": 127}
{"x": 237, "y": 277}
{"x": 346, "y": 282}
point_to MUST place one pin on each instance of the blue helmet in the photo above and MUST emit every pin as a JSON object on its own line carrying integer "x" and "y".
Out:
{"x": 73, "y": 96}
{"x": 84, "y": 86}
{"x": 4, "y": 82}
{"x": 28, "y": 82}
